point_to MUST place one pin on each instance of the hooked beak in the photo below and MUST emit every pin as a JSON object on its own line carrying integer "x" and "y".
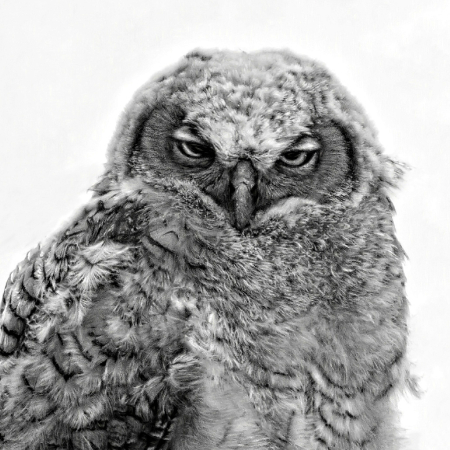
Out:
{"x": 243, "y": 184}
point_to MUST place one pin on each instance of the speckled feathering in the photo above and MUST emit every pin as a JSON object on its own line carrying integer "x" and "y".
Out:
{"x": 234, "y": 283}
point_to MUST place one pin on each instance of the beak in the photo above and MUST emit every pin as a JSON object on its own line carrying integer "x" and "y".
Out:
{"x": 243, "y": 183}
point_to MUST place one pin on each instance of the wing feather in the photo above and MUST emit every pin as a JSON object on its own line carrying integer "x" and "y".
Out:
{"x": 75, "y": 371}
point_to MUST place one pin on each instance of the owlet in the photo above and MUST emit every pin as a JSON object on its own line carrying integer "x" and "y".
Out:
{"x": 234, "y": 283}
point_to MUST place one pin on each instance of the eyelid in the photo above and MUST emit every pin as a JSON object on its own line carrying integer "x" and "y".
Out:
{"x": 185, "y": 134}
{"x": 189, "y": 149}
{"x": 306, "y": 144}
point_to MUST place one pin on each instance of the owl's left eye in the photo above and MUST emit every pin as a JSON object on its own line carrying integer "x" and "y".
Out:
{"x": 300, "y": 154}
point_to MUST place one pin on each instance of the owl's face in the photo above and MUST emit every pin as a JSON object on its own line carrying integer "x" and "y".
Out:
{"x": 248, "y": 130}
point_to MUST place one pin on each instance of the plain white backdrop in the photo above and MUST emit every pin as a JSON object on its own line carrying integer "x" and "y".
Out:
{"x": 68, "y": 68}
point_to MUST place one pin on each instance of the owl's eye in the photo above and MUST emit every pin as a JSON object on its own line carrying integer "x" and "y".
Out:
{"x": 190, "y": 150}
{"x": 301, "y": 153}
{"x": 193, "y": 154}
{"x": 194, "y": 150}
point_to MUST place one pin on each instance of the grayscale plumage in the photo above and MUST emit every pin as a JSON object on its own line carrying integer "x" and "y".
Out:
{"x": 234, "y": 282}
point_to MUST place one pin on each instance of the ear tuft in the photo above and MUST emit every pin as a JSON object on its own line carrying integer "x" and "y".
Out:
{"x": 203, "y": 55}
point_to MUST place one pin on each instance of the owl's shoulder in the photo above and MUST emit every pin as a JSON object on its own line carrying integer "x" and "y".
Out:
{"x": 85, "y": 255}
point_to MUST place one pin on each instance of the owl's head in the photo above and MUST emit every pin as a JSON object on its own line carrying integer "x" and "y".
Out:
{"x": 251, "y": 130}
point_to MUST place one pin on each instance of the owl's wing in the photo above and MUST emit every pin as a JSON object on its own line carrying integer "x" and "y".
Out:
{"x": 84, "y": 360}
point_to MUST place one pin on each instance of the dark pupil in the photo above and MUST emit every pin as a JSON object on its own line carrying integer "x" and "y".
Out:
{"x": 291, "y": 156}
{"x": 196, "y": 149}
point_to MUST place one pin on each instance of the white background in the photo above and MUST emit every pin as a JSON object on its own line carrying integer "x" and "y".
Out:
{"x": 68, "y": 67}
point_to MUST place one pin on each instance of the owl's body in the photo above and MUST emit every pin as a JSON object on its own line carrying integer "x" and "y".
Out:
{"x": 256, "y": 301}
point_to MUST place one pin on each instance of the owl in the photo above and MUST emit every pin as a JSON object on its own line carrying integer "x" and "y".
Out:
{"x": 235, "y": 281}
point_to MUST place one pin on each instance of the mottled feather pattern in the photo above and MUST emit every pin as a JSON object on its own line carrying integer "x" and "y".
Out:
{"x": 151, "y": 322}
{"x": 66, "y": 370}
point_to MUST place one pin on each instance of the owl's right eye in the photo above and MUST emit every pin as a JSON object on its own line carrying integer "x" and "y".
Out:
{"x": 192, "y": 154}
{"x": 191, "y": 150}
{"x": 194, "y": 150}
